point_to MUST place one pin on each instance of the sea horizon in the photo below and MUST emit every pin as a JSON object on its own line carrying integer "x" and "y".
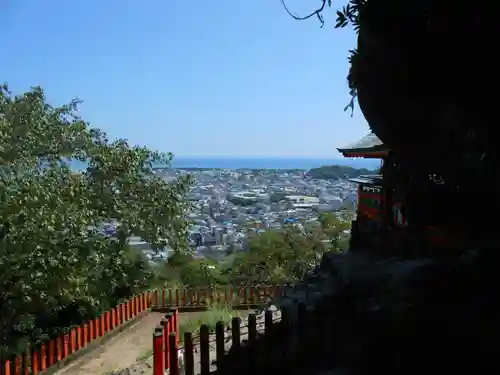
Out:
{"x": 239, "y": 162}
{"x": 271, "y": 162}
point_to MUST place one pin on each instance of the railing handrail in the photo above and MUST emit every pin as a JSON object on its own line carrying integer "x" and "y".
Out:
{"x": 40, "y": 357}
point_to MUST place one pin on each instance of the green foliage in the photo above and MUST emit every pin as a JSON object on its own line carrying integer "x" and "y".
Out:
{"x": 202, "y": 272}
{"x": 277, "y": 256}
{"x": 335, "y": 172}
{"x": 191, "y": 272}
{"x": 216, "y": 313}
{"x": 272, "y": 257}
{"x": 57, "y": 268}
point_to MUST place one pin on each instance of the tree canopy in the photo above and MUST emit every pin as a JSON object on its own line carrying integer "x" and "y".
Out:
{"x": 55, "y": 261}
{"x": 335, "y": 172}
{"x": 277, "y": 256}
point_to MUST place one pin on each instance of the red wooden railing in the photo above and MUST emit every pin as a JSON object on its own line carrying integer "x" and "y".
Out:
{"x": 166, "y": 340}
{"x": 193, "y": 298}
{"x": 196, "y": 353}
{"x": 40, "y": 358}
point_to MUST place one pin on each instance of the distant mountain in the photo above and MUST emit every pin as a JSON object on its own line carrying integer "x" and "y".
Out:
{"x": 335, "y": 172}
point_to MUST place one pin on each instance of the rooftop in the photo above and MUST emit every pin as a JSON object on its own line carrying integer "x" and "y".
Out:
{"x": 370, "y": 146}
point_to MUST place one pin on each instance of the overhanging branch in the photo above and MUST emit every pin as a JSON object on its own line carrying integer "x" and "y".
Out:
{"x": 316, "y": 13}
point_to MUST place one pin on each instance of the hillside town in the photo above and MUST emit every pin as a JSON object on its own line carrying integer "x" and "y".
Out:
{"x": 228, "y": 204}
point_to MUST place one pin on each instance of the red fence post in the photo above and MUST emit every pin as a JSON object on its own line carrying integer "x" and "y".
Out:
{"x": 43, "y": 357}
{"x": 141, "y": 302}
{"x": 72, "y": 341}
{"x": 163, "y": 302}
{"x": 26, "y": 364}
{"x": 79, "y": 337}
{"x": 108, "y": 321}
{"x": 149, "y": 299}
{"x": 158, "y": 357}
{"x": 85, "y": 338}
{"x": 155, "y": 298}
{"x": 117, "y": 316}
{"x": 177, "y": 298}
{"x": 177, "y": 327}
{"x": 124, "y": 312}
{"x": 121, "y": 319}
{"x": 113, "y": 318}
{"x": 196, "y": 301}
{"x": 102, "y": 327}
{"x": 52, "y": 352}
{"x": 91, "y": 330}
{"x": 97, "y": 328}
{"x": 18, "y": 365}
{"x": 35, "y": 361}
{"x": 59, "y": 349}
{"x": 191, "y": 297}
{"x": 65, "y": 345}
{"x": 6, "y": 366}
{"x": 166, "y": 331}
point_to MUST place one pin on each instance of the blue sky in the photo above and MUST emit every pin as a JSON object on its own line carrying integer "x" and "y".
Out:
{"x": 197, "y": 78}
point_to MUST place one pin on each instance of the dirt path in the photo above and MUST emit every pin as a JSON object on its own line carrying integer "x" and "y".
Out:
{"x": 130, "y": 350}
{"x": 121, "y": 351}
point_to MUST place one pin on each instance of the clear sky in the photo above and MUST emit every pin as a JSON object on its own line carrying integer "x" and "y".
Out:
{"x": 197, "y": 78}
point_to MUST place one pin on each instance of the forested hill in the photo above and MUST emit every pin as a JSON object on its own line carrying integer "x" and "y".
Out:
{"x": 335, "y": 172}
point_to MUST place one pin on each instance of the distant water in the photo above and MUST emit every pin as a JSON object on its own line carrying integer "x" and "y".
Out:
{"x": 263, "y": 163}
{"x": 271, "y": 163}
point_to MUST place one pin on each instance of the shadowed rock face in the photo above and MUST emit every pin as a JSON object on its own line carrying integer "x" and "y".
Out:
{"x": 388, "y": 316}
{"x": 423, "y": 76}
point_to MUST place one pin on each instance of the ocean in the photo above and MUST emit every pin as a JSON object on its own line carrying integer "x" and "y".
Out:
{"x": 270, "y": 162}
{"x": 262, "y": 163}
